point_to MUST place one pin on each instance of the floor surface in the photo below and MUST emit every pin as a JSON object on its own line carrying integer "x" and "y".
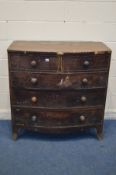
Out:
{"x": 76, "y": 154}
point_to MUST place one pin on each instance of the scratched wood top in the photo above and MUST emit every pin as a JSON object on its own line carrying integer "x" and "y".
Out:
{"x": 58, "y": 46}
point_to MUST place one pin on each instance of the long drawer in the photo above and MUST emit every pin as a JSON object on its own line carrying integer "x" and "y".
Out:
{"x": 60, "y": 99}
{"x": 52, "y": 62}
{"x": 37, "y": 117}
{"x": 33, "y": 80}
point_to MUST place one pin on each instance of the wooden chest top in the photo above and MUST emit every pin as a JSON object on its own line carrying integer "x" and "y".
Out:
{"x": 58, "y": 46}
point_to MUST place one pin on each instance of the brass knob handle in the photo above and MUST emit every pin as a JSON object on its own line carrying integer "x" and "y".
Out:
{"x": 33, "y": 63}
{"x": 82, "y": 118}
{"x": 84, "y": 81}
{"x": 33, "y": 80}
{"x": 83, "y": 99}
{"x": 34, "y": 118}
{"x": 34, "y": 99}
{"x": 86, "y": 63}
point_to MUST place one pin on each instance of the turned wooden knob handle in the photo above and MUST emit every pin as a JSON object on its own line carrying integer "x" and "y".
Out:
{"x": 33, "y": 80}
{"x": 33, "y": 63}
{"x": 86, "y": 63}
{"x": 34, "y": 99}
{"x": 82, "y": 118}
{"x": 34, "y": 118}
{"x": 84, "y": 81}
{"x": 83, "y": 99}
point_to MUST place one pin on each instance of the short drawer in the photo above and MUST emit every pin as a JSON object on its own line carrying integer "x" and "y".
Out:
{"x": 33, "y": 61}
{"x": 85, "y": 61}
{"x": 36, "y": 117}
{"x": 60, "y": 99}
{"x": 29, "y": 80}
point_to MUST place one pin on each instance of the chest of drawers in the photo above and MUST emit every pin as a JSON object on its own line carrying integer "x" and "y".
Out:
{"x": 58, "y": 87}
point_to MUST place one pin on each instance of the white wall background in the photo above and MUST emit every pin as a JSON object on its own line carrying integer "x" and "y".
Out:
{"x": 56, "y": 20}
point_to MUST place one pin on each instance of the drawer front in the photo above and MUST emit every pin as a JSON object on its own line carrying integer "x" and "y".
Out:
{"x": 35, "y": 117}
{"x": 33, "y": 61}
{"x": 88, "y": 61}
{"x": 50, "y": 61}
{"x": 58, "y": 99}
{"x": 29, "y": 80}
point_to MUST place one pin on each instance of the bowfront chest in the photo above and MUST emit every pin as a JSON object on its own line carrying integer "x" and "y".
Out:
{"x": 58, "y": 87}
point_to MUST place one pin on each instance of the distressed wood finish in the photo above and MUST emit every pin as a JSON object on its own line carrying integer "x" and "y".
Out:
{"x": 33, "y": 61}
{"x": 50, "y": 62}
{"x": 86, "y": 61}
{"x": 58, "y": 87}
{"x": 81, "y": 80}
{"x": 34, "y": 117}
{"x": 60, "y": 99}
